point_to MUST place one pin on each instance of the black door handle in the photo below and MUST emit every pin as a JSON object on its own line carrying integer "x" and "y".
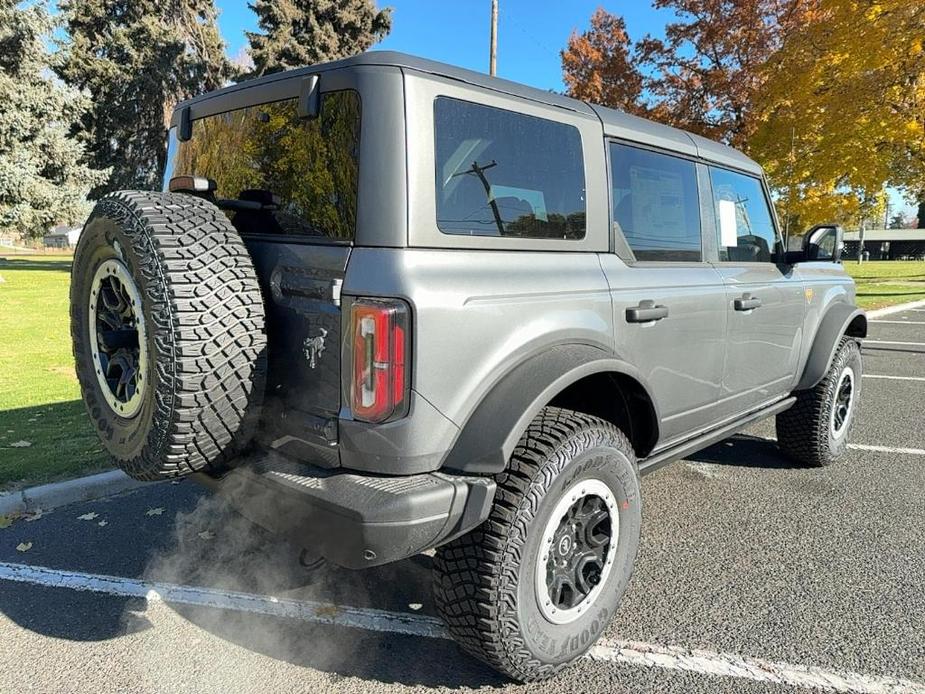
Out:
{"x": 746, "y": 303}
{"x": 646, "y": 312}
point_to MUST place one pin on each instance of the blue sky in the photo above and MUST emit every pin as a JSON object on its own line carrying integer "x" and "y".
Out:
{"x": 530, "y": 34}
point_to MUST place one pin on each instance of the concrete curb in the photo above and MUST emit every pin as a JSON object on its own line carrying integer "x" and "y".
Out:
{"x": 49, "y": 496}
{"x": 899, "y": 308}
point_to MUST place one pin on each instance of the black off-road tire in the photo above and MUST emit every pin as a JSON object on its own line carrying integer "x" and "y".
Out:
{"x": 205, "y": 333}
{"x": 804, "y": 432}
{"x": 484, "y": 581}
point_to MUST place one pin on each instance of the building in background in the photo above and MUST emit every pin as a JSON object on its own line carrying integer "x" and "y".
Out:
{"x": 62, "y": 236}
{"x": 887, "y": 244}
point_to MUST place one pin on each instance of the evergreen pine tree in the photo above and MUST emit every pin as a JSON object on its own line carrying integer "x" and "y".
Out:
{"x": 44, "y": 178}
{"x": 303, "y": 32}
{"x": 136, "y": 59}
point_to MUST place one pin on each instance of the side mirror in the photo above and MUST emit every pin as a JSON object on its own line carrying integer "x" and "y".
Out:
{"x": 824, "y": 242}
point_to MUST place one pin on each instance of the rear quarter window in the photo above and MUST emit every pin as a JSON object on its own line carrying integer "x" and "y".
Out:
{"x": 502, "y": 173}
{"x": 277, "y": 173}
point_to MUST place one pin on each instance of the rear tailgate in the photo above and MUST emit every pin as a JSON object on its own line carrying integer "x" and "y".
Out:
{"x": 301, "y": 284}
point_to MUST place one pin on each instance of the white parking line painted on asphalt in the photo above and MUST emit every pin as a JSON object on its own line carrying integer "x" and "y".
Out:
{"x": 895, "y": 378}
{"x": 893, "y": 342}
{"x": 898, "y": 308}
{"x": 153, "y": 591}
{"x": 756, "y": 669}
{"x": 899, "y": 322}
{"x": 622, "y": 652}
{"x": 886, "y": 449}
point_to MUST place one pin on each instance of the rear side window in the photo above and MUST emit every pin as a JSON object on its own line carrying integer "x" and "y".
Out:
{"x": 743, "y": 218}
{"x": 655, "y": 204}
{"x": 501, "y": 173}
{"x": 277, "y": 173}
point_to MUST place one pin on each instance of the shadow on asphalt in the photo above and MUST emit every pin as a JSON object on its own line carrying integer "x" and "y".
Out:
{"x": 743, "y": 450}
{"x": 241, "y": 556}
{"x": 199, "y": 541}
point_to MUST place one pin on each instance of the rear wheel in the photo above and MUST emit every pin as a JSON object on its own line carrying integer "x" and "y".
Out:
{"x": 167, "y": 322}
{"x": 532, "y": 588}
{"x": 815, "y": 430}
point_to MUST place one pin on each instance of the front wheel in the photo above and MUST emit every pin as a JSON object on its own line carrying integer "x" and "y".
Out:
{"x": 532, "y": 588}
{"x": 815, "y": 430}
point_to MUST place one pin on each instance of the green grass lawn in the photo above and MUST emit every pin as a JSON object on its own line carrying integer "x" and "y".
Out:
{"x": 884, "y": 283}
{"x": 39, "y": 397}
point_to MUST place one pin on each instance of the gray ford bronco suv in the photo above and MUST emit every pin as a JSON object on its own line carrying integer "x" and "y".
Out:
{"x": 386, "y": 305}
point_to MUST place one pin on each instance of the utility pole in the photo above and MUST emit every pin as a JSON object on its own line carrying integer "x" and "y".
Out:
{"x": 861, "y": 230}
{"x": 493, "y": 51}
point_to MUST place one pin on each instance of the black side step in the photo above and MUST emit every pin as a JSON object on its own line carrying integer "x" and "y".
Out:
{"x": 662, "y": 458}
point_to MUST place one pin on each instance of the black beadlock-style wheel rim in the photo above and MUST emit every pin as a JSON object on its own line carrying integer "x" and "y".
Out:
{"x": 577, "y": 551}
{"x": 844, "y": 402}
{"x": 118, "y": 338}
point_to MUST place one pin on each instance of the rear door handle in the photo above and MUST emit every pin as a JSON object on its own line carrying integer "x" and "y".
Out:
{"x": 746, "y": 303}
{"x": 646, "y": 312}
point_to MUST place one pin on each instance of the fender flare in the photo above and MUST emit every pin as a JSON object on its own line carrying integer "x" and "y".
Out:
{"x": 491, "y": 433}
{"x": 832, "y": 327}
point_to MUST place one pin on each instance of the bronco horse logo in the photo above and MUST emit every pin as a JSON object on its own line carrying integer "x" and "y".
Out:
{"x": 314, "y": 346}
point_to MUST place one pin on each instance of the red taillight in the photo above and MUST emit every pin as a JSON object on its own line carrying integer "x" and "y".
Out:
{"x": 379, "y": 388}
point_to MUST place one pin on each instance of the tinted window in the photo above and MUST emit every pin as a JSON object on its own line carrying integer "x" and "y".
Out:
{"x": 743, "y": 219}
{"x": 501, "y": 173}
{"x": 288, "y": 175}
{"x": 655, "y": 204}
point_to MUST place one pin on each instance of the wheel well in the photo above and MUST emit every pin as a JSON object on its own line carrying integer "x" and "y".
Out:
{"x": 857, "y": 327}
{"x": 619, "y": 399}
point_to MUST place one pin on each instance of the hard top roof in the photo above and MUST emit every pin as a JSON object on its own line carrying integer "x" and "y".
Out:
{"x": 616, "y": 123}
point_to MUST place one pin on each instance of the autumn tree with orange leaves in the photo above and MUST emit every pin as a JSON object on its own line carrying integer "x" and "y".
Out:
{"x": 703, "y": 76}
{"x": 828, "y": 95}
{"x": 598, "y": 66}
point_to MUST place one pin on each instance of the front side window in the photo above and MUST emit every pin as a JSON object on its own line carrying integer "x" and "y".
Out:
{"x": 655, "y": 204}
{"x": 743, "y": 219}
{"x": 501, "y": 173}
{"x": 277, "y": 173}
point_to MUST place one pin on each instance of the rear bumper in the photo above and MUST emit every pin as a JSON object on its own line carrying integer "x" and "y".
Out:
{"x": 355, "y": 520}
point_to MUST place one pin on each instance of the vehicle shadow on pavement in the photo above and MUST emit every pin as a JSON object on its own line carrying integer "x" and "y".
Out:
{"x": 181, "y": 535}
{"x": 744, "y": 450}
{"x": 240, "y": 556}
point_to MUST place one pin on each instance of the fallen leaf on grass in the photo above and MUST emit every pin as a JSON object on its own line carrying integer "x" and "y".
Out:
{"x": 20, "y": 444}
{"x": 206, "y": 534}
{"x": 88, "y": 516}
{"x": 103, "y": 523}
{"x": 154, "y": 511}
{"x": 24, "y": 546}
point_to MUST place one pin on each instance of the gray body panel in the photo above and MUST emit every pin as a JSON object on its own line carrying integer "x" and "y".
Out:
{"x": 501, "y": 324}
{"x": 683, "y": 375}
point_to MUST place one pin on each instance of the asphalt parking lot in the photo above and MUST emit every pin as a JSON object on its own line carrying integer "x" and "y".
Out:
{"x": 753, "y": 575}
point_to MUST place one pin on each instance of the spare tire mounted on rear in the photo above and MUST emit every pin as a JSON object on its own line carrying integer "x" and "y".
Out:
{"x": 169, "y": 338}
